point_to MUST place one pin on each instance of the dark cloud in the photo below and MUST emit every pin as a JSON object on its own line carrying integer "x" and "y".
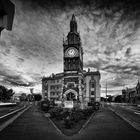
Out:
{"x": 21, "y": 59}
{"x": 37, "y": 77}
{"x": 2, "y": 43}
{"x": 117, "y": 83}
{"x": 128, "y": 52}
{"x": 12, "y": 78}
{"x": 132, "y": 69}
{"x": 100, "y": 3}
{"x": 16, "y": 80}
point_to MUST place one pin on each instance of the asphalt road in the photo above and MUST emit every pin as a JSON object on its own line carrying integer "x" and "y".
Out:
{"x": 132, "y": 113}
{"x": 7, "y": 109}
{"x": 105, "y": 125}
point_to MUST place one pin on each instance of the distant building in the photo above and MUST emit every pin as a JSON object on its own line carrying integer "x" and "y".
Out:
{"x": 92, "y": 86}
{"x": 132, "y": 95}
{"x": 7, "y": 10}
{"x": 73, "y": 83}
{"x": 52, "y": 86}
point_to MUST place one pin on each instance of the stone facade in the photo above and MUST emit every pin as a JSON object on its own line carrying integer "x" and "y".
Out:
{"x": 73, "y": 81}
{"x": 92, "y": 86}
{"x": 52, "y": 87}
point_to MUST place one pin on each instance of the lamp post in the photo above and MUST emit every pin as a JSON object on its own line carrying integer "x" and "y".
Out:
{"x": 106, "y": 87}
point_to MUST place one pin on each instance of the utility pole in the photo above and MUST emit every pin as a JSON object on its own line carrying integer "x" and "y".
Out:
{"x": 106, "y": 90}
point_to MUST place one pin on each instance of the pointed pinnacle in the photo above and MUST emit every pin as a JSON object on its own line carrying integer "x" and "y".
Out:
{"x": 73, "y": 18}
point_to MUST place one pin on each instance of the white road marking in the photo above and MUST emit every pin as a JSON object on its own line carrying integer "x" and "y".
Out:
{"x": 11, "y": 112}
{"x": 134, "y": 110}
{"x": 138, "y": 113}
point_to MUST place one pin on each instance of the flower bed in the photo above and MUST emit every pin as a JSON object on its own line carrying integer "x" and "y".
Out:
{"x": 70, "y": 121}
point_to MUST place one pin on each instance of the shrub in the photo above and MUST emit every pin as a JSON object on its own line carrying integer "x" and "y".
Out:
{"x": 70, "y": 117}
{"x": 77, "y": 115}
{"x": 56, "y": 112}
{"x": 88, "y": 111}
{"x": 44, "y": 105}
{"x": 68, "y": 122}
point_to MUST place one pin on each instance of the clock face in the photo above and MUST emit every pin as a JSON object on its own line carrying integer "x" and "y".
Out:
{"x": 71, "y": 52}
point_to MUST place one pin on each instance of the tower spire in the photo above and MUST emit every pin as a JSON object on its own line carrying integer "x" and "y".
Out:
{"x": 73, "y": 24}
{"x": 73, "y": 18}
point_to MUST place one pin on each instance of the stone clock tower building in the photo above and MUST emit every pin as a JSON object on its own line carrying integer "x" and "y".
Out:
{"x": 73, "y": 81}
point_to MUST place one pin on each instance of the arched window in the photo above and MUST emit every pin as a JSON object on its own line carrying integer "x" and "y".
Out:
{"x": 92, "y": 84}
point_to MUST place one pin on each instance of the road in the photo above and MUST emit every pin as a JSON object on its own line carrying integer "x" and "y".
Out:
{"x": 104, "y": 125}
{"x": 132, "y": 113}
{"x": 134, "y": 110}
{"x": 7, "y": 109}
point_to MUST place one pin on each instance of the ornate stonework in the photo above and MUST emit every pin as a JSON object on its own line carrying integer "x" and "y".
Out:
{"x": 73, "y": 63}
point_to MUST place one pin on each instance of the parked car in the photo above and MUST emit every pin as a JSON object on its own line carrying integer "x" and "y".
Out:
{"x": 96, "y": 105}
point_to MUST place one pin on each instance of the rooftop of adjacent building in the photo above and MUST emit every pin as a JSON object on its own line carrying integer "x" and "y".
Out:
{"x": 132, "y": 89}
{"x": 7, "y": 10}
{"x": 60, "y": 75}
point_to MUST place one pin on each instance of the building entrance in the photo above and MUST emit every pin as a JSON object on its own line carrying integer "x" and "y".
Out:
{"x": 70, "y": 96}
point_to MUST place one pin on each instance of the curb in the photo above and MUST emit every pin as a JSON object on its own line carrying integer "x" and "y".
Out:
{"x": 133, "y": 124}
{"x": 11, "y": 120}
{"x": 57, "y": 129}
{"x": 87, "y": 122}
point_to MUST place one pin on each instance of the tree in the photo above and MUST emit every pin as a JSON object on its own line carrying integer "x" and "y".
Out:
{"x": 37, "y": 97}
{"x": 30, "y": 97}
{"x": 109, "y": 99}
{"x": 118, "y": 99}
{"x": 3, "y": 91}
{"x": 103, "y": 99}
{"x": 10, "y": 93}
{"x": 23, "y": 97}
{"x": 5, "y": 94}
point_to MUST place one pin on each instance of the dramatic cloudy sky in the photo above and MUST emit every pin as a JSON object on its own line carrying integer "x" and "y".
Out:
{"x": 110, "y": 34}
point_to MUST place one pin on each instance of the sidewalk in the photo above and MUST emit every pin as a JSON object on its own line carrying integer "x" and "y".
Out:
{"x": 105, "y": 125}
{"x": 32, "y": 125}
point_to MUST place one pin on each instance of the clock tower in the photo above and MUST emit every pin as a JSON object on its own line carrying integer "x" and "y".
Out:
{"x": 73, "y": 82}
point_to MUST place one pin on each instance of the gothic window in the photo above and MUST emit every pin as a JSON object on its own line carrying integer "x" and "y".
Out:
{"x": 92, "y": 85}
{"x": 92, "y": 93}
{"x": 92, "y": 77}
{"x": 51, "y": 94}
{"x": 92, "y": 99}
